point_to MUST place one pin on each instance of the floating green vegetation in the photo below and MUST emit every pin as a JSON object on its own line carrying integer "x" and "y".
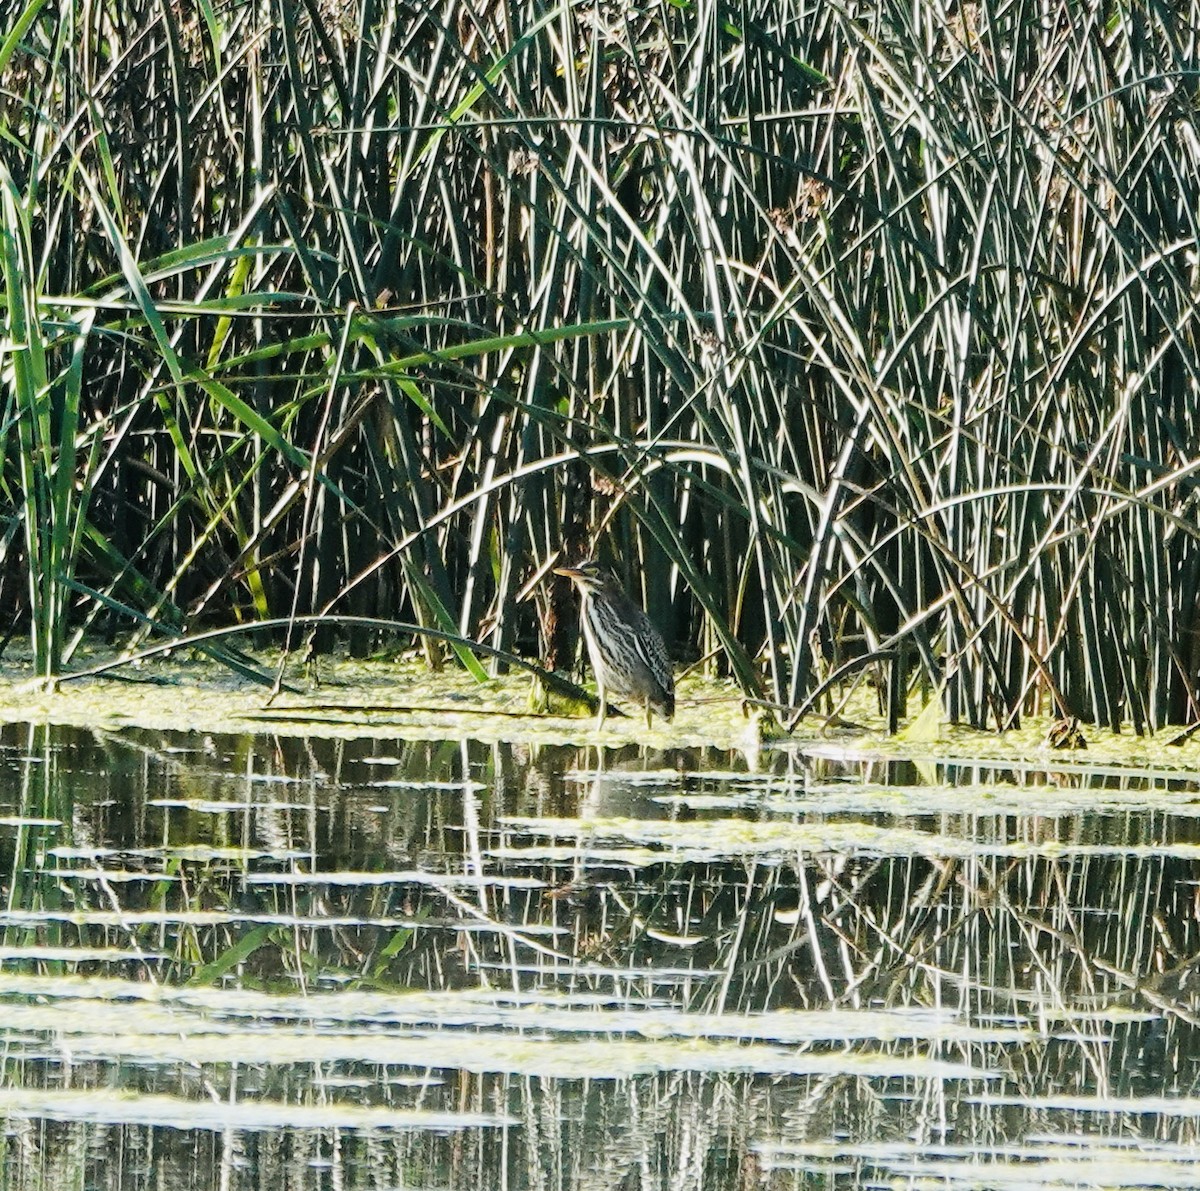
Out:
{"x": 1070, "y": 1161}
{"x": 706, "y": 841}
{"x": 102, "y": 1106}
{"x": 765, "y": 793}
{"x": 355, "y": 699}
{"x": 74, "y": 1005}
{"x": 579, "y": 1043}
{"x": 405, "y": 701}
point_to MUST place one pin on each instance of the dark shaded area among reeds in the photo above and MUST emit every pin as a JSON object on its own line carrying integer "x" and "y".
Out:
{"x": 843, "y": 329}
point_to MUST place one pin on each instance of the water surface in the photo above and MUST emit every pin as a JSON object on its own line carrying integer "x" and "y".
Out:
{"x": 252, "y": 961}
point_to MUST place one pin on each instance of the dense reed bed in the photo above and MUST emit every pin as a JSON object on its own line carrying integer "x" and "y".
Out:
{"x": 851, "y": 331}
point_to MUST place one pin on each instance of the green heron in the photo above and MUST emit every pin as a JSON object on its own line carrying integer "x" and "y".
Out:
{"x": 626, "y": 651}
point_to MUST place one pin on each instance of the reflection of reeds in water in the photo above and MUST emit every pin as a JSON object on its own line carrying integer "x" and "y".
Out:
{"x": 981, "y": 957}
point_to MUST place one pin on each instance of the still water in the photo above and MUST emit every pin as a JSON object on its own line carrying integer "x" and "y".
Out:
{"x": 300, "y": 963}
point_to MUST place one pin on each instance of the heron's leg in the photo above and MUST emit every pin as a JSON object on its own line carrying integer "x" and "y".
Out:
{"x": 603, "y": 702}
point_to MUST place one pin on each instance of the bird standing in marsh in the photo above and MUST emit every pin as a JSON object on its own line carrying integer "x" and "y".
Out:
{"x": 627, "y": 652}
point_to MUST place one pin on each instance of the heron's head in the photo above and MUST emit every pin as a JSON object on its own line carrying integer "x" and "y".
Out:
{"x": 588, "y": 576}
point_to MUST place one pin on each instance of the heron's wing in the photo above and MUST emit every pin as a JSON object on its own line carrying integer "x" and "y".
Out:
{"x": 653, "y": 651}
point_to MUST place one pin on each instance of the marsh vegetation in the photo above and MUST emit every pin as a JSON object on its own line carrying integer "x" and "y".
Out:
{"x": 849, "y": 330}
{"x": 859, "y": 336}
